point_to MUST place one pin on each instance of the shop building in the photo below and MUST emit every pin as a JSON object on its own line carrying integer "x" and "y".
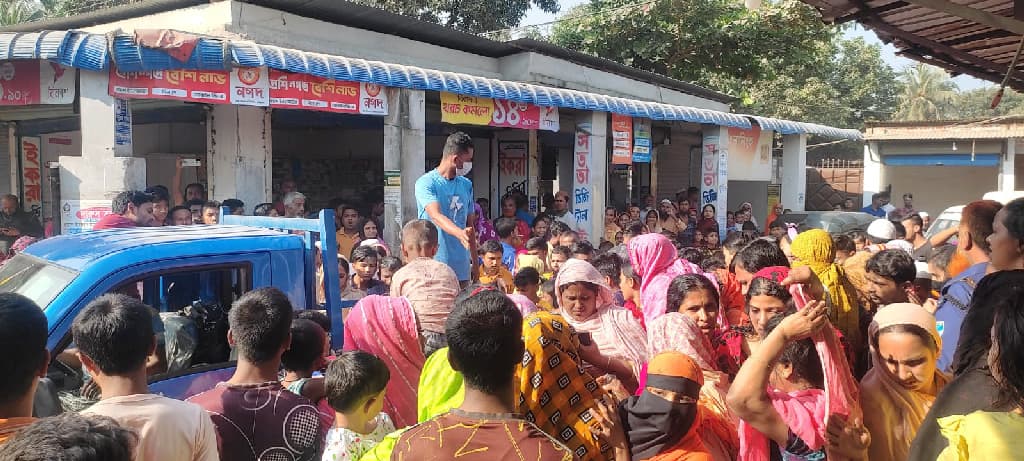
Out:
{"x": 354, "y": 104}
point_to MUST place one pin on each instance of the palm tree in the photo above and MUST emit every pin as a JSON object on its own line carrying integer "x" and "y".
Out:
{"x": 18, "y": 11}
{"x": 926, "y": 95}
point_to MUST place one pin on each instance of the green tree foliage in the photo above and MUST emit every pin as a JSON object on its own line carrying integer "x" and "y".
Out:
{"x": 977, "y": 104}
{"x": 927, "y": 94}
{"x": 476, "y": 16}
{"x": 18, "y": 11}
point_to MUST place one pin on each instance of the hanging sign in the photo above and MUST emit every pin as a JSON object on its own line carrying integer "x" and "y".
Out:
{"x": 460, "y": 109}
{"x": 302, "y": 91}
{"x": 31, "y": 175}
{"x": 25, "y": 83}
{"x": 622, "y": 140}
{"x": 641, "y": 140}
{"x": 77, "y": 216}
{"x": 750, "y": 154}
{"x": 244, "y": 86}
{"x": 581, "y": 186}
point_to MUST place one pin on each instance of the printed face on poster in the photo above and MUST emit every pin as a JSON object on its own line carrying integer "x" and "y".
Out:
{"x": 31, "y": 82}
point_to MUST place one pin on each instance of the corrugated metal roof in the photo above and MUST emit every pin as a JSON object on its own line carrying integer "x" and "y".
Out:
{"x": 790, "y": 127}
{"x": 71, "y": 48}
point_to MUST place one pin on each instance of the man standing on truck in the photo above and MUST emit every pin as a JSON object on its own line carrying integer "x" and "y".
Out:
{"x": 130, "y": 208}
{"x": 15, "y": 222}
{"x": 444, "y": 196}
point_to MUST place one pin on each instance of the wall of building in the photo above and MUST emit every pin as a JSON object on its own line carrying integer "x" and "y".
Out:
{"x": 932, "y": 187}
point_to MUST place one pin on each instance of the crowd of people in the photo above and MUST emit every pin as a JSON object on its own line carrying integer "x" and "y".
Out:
{"x": 515, "y": 338}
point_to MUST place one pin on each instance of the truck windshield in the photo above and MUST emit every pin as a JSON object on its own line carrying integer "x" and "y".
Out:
{"x": 34, "y": 278}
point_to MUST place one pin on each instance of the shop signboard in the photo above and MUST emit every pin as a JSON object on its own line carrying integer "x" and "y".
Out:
{"x": 245, "y": 86}
{"x": 31, "y": 175}
{"x": 512, "y": 167}
{"x": 461, "y": 109}
{"x": 582, "y": 188}
{"x": 29, "y": 82}
{"x": 622, "y": 139}
{"x": 77, "y": 216}
{"x": 301, "y": 91}
{"x": 750, "y": 154}
{"x": 641, "y": 140}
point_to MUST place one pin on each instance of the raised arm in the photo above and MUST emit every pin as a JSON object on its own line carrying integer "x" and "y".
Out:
{"x": 941, "y": 238}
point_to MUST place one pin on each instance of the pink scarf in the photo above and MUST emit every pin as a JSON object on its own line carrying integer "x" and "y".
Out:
{"x": 806, "y": 413}
{"x": 386, "y": 327}
{"x": 655, "y": 260}
{"x": 525, "y": 306}
{"x": 613, "y": 329}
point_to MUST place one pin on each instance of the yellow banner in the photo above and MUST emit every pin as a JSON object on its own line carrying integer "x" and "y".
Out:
{"x": 466, "y": 110}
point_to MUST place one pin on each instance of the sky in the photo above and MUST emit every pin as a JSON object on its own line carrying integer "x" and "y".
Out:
{"x": 965, "y": 82}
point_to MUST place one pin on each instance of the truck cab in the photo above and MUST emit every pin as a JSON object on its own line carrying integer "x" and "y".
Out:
{"x": 189, "y": 275}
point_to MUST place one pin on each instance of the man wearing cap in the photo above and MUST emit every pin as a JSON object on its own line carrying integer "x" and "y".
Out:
{"x": 880, "y": 232}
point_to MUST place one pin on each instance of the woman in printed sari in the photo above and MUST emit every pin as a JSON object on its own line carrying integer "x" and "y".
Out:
{"x": 617, "y": 341}
{"x": 656, "y": 261}
{"x": 386, "y": 327}
{"x": 555, "y": 392}
{"x": 663, "y": 422}
{"x": 677, "y": 332}
{"x": 900, "y": 388}
{"x": 814, "y": 248}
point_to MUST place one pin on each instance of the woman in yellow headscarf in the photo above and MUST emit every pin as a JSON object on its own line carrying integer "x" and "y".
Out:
{"x": 814, "y": 249}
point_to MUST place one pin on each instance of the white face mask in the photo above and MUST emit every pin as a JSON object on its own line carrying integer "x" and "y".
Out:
{"x": 466, "y": 168}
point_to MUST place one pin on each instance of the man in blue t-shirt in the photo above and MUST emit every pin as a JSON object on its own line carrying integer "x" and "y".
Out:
{"x": 445, "y": 197}
{"x": 972, "y": 240}
{"x": 877, "y": 207}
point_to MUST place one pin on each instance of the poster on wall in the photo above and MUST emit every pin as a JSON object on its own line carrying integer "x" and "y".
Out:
{"x": 24, "y": 83}
{"x": 302, "y": 91}
{"x": 750, "y": 154}
{"x": 513, "y": 167}
{"x": 31, "y": 176}
{"x": 641, "y": 140}
{"x": 714, "y": 182}
{"x": 622, "y": 139}
{"x": 77, "y": 216}
{"x": 461, "y": 109}
{"x": 582, "y": 188}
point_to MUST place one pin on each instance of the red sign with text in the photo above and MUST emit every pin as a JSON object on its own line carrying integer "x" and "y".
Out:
{"x": 302, "y": 91}
{"x": 26, "y": 83}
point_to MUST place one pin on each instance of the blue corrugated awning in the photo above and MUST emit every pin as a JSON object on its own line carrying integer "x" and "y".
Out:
{"x": 790, "y": 127}
{"x": 70, "y": 48}
{"x": 942, "y": 160}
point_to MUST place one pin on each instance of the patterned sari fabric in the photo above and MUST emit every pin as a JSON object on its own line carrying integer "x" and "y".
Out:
{"x": 893, "y": 413}
{"x": 555, "y": 392}
{"x": 386, "y": 327}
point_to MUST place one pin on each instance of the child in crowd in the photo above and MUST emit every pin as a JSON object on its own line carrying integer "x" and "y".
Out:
{"x": 547, "y": 295}
{"x": 388, "y": 266}
{"x": 307, "y": 354}
{"x": 364, "y": 267}
{"x": 558, "y": 256}
{"x": 629, "y": 285}
{"x": 343, "y": 282}
{"x": 493, "y": 270}
{"x": 528, "y": 282}
{"x": 609, "y": 265}
{"x": 583, "y": 250}
{"x": 506, "y": 229}
{"x": 356, "y": 383}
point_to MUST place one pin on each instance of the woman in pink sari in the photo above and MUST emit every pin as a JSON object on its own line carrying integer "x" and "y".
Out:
{"x": 612, "y": 340}
{"x": 386, "y": 327}
{"x": 656, "y": 261}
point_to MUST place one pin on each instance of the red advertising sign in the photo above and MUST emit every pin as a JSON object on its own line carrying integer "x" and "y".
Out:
{"x": 242, "y": 86}
{"x": 622, "y": 139}
{"x": 472, "y": 110}
{"x": 302, "y": 91}
{"x": 24, "y": 83}
{"x": 31, "y": 176}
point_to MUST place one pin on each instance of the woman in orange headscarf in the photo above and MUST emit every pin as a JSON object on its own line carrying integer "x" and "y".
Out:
{"x": 662, "y": 423}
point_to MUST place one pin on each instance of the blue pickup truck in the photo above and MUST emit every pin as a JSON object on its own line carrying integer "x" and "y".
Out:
{"x": 190, "y": 274}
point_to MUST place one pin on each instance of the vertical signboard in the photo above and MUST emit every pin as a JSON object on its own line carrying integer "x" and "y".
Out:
{"x": 512, "y": 169}
{"x": 714, "y": 178}
{"x": 122, "y": 123}
{"x": 31, "y": 176}
{"x": 581, "y": 184}
{"x": 622, "y": 140}
{"x": 641, "y": 141}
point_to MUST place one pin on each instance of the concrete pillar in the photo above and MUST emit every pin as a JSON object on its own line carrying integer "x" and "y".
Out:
{"x": 590, "y": 172}
{"x": 239, "y": 149}
{"x": 404, "y": 158}
{"x": 872, "y": 172}
{"x": 106, "y": 166}
{"x": 1007, "y": 179}
{"x": 794, "y": 171}
{"x": 714, "y": 173}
